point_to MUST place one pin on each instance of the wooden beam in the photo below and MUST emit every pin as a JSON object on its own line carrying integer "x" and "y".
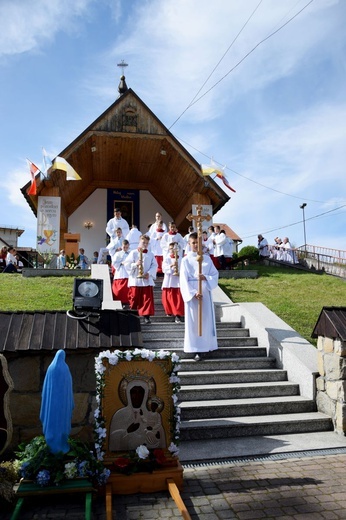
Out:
{"x": 175, "y": 494}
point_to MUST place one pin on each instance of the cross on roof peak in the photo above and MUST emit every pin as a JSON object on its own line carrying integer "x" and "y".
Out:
{"x": 123, "y": 65}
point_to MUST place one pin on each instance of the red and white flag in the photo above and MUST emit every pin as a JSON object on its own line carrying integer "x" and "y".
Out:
{"x": 34, "y": 171}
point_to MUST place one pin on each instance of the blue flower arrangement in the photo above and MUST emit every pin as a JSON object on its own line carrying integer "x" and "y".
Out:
{"x": 37, "y": 463}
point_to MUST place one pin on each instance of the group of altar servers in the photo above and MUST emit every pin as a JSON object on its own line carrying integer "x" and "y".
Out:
{"x": 139, "y": 258}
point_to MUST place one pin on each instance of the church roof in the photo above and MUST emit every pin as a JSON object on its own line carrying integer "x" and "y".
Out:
{"x": 127, "y": 147}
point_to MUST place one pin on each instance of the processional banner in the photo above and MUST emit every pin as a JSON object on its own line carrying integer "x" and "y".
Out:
{"x": 48, "y": 225}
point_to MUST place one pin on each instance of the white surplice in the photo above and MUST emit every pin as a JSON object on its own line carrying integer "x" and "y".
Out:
{"x": 189, "y": 287}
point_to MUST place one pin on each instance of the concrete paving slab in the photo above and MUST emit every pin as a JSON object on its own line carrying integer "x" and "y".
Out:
{"x": 249, "y": 447}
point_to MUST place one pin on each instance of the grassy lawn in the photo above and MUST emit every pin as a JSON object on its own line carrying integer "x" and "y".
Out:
{"x": 35, "y": 294}
{"x": 296, "y": 297}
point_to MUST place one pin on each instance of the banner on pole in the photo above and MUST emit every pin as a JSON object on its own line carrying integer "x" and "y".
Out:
{"x": 48, "y": 225}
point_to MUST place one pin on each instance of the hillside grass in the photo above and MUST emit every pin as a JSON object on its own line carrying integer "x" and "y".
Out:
{"x": 297, "y": 297}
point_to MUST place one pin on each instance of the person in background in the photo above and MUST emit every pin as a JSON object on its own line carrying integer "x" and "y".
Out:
{"x": 142, "y": 267}
{"x": 95, "y": 257}
{"x": 11, "y": 263}
{"x": 172, "y": 236}
{"x": 155, "y": 241}
{"x": 172, "y": 300}
{"x": 158, "y": 220}
{"x": 221, "y": 245}
{"x": 211, "y": 236}
{"x": 207, "y": 244}
{"x": 82, "y": 259}
{"x": 133, "y": 237}
{"x": 116, "y": 243}
{"x": 20, "y": 264}
{"x": 3, "y": 254}
{"x": 61, "y": 260}
{"x": 186, "y": 239}
{"x": 263, "y": 248}
{"x": 120, "y": 288}
{"x": 117, "y": 222}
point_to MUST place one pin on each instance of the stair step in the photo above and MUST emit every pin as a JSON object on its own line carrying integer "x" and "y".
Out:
{"x": 160, "y": 318}
{"x": 171, "y": 327}
{"x": 242, "y": 407}
{"x": 177, "y": 346}
{"x": 207, "y": 377}
{"x": 189, "y": 365}
{"x": 237, "y": 391}
{"x": 255, "y": 425}
{"x": 177, "y": 332}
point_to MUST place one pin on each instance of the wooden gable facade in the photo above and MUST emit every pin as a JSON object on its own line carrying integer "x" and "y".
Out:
{"x": 127, "y": 147}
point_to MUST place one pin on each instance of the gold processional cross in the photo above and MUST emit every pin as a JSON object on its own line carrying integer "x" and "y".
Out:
{"x": 199, "y": 219}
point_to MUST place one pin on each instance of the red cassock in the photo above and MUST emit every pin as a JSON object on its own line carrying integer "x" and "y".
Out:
{"x": 120, "y": 290}
{"x": 159, "y": 263}
{"x": 142, "y": 299}
{"x": 172, "y": 301}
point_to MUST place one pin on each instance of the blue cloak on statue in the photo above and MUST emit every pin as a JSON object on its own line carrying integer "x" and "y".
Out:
{"x": 57, "y": 404}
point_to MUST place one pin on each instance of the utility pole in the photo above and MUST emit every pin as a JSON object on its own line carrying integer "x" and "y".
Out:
{"x": 302, "y": 207}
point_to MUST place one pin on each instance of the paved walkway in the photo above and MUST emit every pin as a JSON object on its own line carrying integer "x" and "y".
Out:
{"x": 311, "y": 487}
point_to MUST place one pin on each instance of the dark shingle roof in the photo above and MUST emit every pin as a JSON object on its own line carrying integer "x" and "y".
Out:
{"x": 331, "y": 323}
{"x": 24, "y": 331}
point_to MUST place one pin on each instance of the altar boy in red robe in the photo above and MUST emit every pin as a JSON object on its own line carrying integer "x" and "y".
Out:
{"x": 142, "y": 267}
{"x": 172, "y": 300}
{"x": 120, "y": 288}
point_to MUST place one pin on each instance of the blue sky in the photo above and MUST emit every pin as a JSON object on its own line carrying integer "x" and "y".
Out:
{"x": 276, "y": 120}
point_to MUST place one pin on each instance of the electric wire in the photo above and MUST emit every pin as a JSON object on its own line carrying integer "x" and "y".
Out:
{"x": 248, "y": 178}
{"x": 243, "y": 59}
{"x": 220, "y": 60}
{"x": 295, "y": 223}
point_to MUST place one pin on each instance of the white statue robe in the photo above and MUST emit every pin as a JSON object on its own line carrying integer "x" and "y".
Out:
{"x": 189, "y": 287}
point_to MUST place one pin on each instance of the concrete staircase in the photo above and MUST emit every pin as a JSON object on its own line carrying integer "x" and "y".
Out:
{"x": 237, "y": 391}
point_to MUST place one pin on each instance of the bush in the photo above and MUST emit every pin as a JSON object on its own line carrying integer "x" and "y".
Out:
{"x": 251, "y": 252}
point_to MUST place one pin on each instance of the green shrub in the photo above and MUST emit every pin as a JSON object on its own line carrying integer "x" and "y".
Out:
{"x": 251, "y": 252}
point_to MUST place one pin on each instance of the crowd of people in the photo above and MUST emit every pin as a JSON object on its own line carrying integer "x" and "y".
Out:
{"x": 281, "y": 250}
{"x": 10, "y": 261}
{"x": 137, "y": 259}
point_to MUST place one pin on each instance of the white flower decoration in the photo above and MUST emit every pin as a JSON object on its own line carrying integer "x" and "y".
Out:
{"x": 142, "y": 451}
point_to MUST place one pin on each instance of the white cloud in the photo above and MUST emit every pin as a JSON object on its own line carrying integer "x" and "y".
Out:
{"x": 30, "y": 25}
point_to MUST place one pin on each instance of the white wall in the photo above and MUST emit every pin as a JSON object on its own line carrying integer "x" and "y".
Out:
{"x": 94, "y": 209}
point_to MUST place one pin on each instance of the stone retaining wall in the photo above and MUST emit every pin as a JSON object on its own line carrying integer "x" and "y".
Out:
{"x": 331, "y": 384}
{"x": 28, "y": 371}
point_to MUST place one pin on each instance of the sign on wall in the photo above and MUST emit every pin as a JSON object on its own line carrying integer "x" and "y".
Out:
{"x": 48, "y": 225}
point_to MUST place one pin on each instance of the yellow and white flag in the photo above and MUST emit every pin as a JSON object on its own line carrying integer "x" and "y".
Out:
{"x": 60, "y": 163}
{"x": 212, "y": 168}
{"x": 209, "y": 169}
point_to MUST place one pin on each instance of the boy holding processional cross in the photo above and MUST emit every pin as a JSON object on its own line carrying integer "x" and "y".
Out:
{"x": 198, "y": 277}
